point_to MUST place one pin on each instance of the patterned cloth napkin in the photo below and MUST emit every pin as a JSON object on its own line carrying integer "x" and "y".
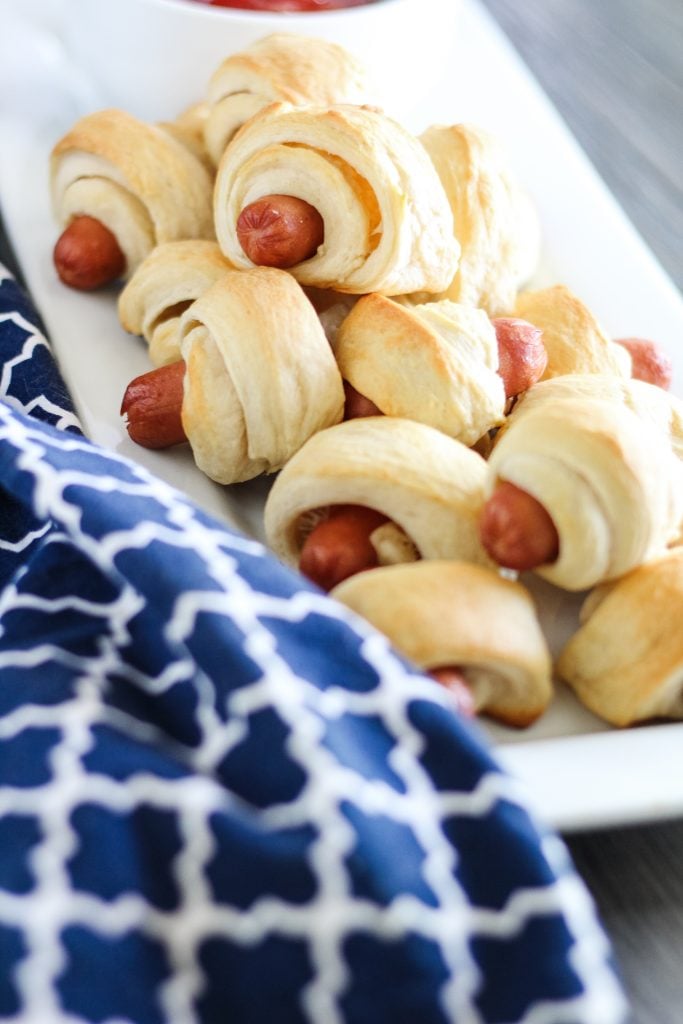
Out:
{"x": 223, "y": 798}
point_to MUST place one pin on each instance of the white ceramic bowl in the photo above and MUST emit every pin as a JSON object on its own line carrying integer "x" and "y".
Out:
{"x": 154, "y": 57}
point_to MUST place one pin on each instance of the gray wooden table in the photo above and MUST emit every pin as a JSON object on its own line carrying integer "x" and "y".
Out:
{"x": 614, "y": 70}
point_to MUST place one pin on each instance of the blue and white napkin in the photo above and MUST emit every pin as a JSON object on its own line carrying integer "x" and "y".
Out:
{"x": 223, "y": 798}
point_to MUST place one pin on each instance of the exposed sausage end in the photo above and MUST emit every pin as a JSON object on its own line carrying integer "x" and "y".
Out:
{"x": 87, "y": 255}
{"x": 357, "y": 406}
{"x": 649, "y": 362}
{"x": 340, "y": 545}
{"x": 516, "y": 530}
{"x": 453, "y": 679}
{"x": 522, "y": 356}
{"x": 280, "y": 231}
{"x": 152, "y": 405}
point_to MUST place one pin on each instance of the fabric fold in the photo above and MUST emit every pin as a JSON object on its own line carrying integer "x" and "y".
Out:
{"x": 226, "y": 798}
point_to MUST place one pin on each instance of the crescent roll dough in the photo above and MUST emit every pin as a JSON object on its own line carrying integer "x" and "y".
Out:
{"x": 608, "y": 479}
{"x": 652, "y": 404}
{"x": 136, "y": 179}
{"x": 574, "y": 340}
{"x": 495, "y": 222}
{"x": 388, "y": 226}
{"x": 436, "y": 363}
{"x": 453, "y": 614}
{"x": 430, "y": 487}
{"x": 280, "y": 67}
{"x": 161, "y": 289}
{"x": 189, "y": 128}
{"x": 260, "y": 376}
{"x": 625, "y": 662}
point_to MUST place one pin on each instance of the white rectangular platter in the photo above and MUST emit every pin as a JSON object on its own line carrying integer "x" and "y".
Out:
{"x": 578, "y": 773}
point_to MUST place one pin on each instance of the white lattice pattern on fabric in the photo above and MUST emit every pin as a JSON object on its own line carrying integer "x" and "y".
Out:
{"x": 222, "y": 796}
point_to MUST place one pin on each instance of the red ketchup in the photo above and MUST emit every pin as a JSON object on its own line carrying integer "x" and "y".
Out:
{"x": 286, "y": 5}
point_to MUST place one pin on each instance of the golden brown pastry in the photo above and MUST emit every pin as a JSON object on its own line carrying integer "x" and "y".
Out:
{"x": 494, "y": 221}
{"x": 574, "y": 340}
{"x": 188, "y": 128}
{"x": 135, "y": 180}
{"x": 607, "y": 478}
{"x": 454, "y": 614}
{"x": 260, "y": 377}
{"x": 429, "y": 486}
{"x": 280, "y": 67}
{"x": 256, "y": 380}
{"x": 436, "y": 363}
{"x": 625, "y": 662}
{"x": 656, "y": 407}
{"x": 386, "y": 224}
{"x": 168, "y": 280}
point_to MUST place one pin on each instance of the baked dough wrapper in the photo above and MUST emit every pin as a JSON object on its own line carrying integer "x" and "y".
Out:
{"x": 429, "y": 485}
{"x": 188, "y": 128}
{"x": 260, "y": 376}
{"x": 625, "y": 663}
{"x": 436, "y": 363}
{"x": 495, "y": 223}
{"x": 281, "y": 67}
{"x": 573, "y": 338}
{"x": 609, "y": 480}
{"x": 135, "y": 178}
{"x": 388, "y": 225}
{"x": 167, "y": 281}
{"x": 656, "y": 407}
{"x": 444, "y": 613}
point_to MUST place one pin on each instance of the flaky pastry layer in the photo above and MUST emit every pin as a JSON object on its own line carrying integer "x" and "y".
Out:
{"x": 625, "y": 662}
{"x": 609, "y": 480}
{"x": 436, "y": 363}
{"x": 135, "y": 178}
{"x": 168, "y": 280}
{"x": 260, "y": 376}
{"x": 387, "y": 223}
{"x": 494, "y": 220}
{"x": 427, "y": 483}
{"x": 281, "y": 67}
{"x": 455, "y": 614}
{"x": 573, "y": 338}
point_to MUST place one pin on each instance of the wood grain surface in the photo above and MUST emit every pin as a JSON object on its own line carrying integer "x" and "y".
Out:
{"x": 614, "y": 70}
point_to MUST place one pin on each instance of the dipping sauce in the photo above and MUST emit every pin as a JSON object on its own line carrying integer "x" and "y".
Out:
{"x": 286, "y": 5}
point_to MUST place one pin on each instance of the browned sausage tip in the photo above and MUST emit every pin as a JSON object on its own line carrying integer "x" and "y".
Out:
{"x": 458, "y": 687}
{"x": 152, "y": 406}
{"x": 522, "y": 356}
{"x": 87, "y": 255}
{"x": 516, "y": 530}
{"x": 356, "y": 405}
{"x": 649, "y": 361}
{"x": 280, "y": 231}
{"x": 340, "y": 546}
